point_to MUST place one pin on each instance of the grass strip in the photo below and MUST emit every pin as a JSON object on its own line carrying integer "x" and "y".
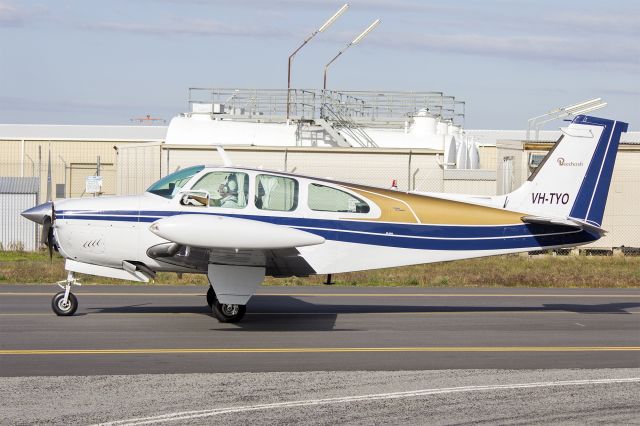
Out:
{"x": 499, "y": 271}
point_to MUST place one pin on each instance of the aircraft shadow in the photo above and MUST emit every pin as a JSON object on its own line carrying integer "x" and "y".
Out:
{"x": 287, "y": 313}
{"x": 288, "y": 304}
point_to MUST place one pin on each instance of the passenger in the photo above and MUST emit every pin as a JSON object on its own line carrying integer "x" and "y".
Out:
{"x": 229, "y": 193}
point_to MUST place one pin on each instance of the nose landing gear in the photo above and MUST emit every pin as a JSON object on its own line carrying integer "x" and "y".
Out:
{"x": 65, "y": 303}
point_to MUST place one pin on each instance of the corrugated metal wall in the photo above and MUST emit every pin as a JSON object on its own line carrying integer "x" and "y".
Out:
{"x": 17, "y": 232}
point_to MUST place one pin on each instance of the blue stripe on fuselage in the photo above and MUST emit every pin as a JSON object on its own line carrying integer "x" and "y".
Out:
{"x": 401, "y": 235}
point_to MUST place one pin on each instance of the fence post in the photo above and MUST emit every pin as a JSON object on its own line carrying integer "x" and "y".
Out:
{"x": 286, "y": 152}
{"x": 409, "y": 172}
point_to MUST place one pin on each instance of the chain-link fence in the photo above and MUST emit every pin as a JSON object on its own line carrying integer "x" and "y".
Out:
{"x": 67, "y": 179}
{"x": 132, "y": 167}
{"x": 62, "y": 166}
{"x": 413, "y": 170}
{"x": 503, "y": 170}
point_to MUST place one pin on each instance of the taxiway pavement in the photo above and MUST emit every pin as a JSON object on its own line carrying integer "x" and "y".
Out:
{"x": 608, "y": 396}
{"x": 168, "y": 329}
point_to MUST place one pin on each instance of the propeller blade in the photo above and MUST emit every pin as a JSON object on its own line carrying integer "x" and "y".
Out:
{"x": 47, "y": 237}
{"x": 50, "y": 243}
{"x": 46, "y": 226}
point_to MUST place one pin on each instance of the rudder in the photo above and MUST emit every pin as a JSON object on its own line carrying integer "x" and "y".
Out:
{"x": 592, "y": 196}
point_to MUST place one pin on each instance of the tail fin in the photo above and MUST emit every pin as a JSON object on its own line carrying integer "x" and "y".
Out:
{"x": 573, "y": 179}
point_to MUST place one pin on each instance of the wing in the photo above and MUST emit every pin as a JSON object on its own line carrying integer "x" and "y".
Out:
{"x": 224, "y": 232}
{"x": 197, "y": 240}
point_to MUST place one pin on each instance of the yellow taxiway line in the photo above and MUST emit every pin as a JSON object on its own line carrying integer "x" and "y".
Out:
{"x": 337, "y": 294}
{"x": 168, "y": 351}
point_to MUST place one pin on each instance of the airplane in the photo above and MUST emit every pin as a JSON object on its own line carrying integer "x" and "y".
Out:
{"x": 238, "y": 224}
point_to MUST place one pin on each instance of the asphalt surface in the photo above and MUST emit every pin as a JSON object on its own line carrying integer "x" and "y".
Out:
{"x": 162, "y": 329}
{"x": 360, "y": 397}
{"x": 309, "y": 355}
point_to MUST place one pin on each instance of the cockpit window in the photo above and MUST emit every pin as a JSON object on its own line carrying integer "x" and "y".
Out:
{"x": 226, "y": 189}
{"x": 169, "y": 185}
{"x": 326, "y": 199}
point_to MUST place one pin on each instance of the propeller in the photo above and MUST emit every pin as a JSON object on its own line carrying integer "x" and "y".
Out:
{"x": 47, "y": 237}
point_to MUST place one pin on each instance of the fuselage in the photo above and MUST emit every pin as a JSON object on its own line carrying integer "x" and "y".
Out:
{"x": 363, "y": 227}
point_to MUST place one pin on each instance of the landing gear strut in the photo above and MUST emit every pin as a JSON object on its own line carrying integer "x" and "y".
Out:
{"x": 222, "y": 311}
{"x": 65, "y": 303}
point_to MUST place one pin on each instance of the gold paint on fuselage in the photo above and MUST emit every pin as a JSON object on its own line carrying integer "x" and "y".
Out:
{"x": 402, "y": 207}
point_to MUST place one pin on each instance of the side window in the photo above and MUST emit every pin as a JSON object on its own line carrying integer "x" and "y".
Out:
{"x": 226, "y": 189}
{"x": 276, "y": 193}
{"x": 326, "y": 199}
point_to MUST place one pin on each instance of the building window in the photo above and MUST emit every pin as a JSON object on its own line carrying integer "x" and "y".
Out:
{"x": 326, "y": 199}
{"x": 226, "y": 189}
{"x": 276, "y": 193}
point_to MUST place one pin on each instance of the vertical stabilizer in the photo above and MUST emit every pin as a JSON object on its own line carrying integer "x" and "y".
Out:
{"x": 573, "y": 179}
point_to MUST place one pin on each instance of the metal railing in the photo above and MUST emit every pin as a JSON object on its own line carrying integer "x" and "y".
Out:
{"x": 266, "y": 104}
{"x": 367, "y": 108}
{"x": 345, "y": 124}
{"x": 536, "y": 123}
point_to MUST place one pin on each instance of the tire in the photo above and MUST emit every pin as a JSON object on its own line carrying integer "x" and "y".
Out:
{"x": 211, "y": 297}
{"x": 228, "y": 313}
{"x": 60, "y": 309}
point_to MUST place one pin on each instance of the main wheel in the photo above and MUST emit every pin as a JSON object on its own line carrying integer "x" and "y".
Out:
{"x": 64, "y": 309}
{"x": 228, "y": 313}
{"x": 211, "y": 297}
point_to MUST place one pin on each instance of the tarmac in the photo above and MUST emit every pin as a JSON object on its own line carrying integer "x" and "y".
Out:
{"x": 349, "y": 354}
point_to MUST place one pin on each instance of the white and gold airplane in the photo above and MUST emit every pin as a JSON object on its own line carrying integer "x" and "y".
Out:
{"x": 238, "y": 224}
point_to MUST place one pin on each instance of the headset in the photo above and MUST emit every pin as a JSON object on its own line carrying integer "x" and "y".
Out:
{"x": 229, "y": 187}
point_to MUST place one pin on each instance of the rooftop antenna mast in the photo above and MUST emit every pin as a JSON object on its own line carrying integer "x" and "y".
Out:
{"x": 355, "y": 41}
{"x": 322, "y": 28}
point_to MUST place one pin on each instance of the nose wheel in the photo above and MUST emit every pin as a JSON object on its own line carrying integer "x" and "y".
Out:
{"x": 65, "y": 303}
{"x": 62, "y": 307}
{"x": 222, "y": 311}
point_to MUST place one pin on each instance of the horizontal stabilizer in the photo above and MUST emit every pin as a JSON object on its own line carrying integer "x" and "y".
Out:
{"x": 568, "y": 222}
{"x": 224, "y": 232}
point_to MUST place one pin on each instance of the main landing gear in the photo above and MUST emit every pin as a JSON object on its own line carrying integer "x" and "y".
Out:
{"x": 65, "y": 303}
{"x": 224, "y": 312}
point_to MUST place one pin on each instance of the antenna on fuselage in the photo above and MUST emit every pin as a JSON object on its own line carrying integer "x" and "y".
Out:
{"x": 225, "y": 158}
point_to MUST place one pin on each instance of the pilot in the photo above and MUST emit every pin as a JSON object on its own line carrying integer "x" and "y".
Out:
{"x": 229, "y": 193}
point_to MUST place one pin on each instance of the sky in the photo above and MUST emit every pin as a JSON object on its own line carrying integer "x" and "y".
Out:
{"x": 105, "y": 62}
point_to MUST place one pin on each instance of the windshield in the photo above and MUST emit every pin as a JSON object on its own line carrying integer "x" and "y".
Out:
{"x": 169, "y": 185}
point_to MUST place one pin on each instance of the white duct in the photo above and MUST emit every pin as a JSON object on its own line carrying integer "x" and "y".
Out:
{"x": 462, "y": 155}
{"x": 450, "y": 149}
{"x": 474, "y": 155}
